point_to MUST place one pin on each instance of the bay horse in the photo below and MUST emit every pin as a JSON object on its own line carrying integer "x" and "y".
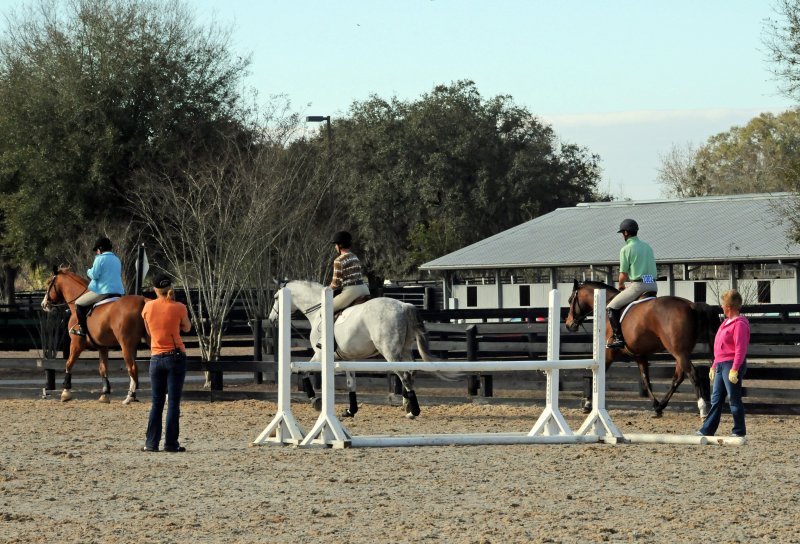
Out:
{"x": 380, "y": 326}
{"x": 665, "y": 323}
{"x": 112, "y": 324}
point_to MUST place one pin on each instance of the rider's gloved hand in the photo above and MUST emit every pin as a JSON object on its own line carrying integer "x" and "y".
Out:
{"x": 711, "y": 373}
{"x": 733, "y": 376}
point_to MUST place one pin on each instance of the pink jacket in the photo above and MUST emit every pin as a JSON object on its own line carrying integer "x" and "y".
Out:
{"x": 731, "y": 341}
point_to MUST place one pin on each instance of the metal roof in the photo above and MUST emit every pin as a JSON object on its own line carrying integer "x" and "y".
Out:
{"x": 690, "y": 230}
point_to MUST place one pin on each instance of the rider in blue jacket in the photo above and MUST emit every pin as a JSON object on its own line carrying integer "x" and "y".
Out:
{"x": 105, "y": 277}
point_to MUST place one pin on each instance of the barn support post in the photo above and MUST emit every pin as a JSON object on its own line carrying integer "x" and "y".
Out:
{"x": 670, "y": 280}
{"x": 472, "y": 355}
{"x": 447, "y": 290}
{"x": 553, "y": 278}
{"x": 796, "y": 267}
{"x": 734, "y": 271}
{"x": 499, "y": 287}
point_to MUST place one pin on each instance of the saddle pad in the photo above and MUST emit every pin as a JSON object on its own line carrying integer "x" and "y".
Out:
{"x": 625, "y": 311}
{"x": 106, "y": 301}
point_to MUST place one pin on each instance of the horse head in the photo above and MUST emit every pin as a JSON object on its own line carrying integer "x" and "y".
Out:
{"x": 63, "y": 288}
{"x": 305, "y": 297}
{"x": 581, "y": 305}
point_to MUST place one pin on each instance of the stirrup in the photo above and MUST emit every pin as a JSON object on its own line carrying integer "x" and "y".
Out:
{"x": 615, "y": 343}
{"x": 77, "y": 331}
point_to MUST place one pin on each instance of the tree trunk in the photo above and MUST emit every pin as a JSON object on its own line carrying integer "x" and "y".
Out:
{"x": 7, "y": 290}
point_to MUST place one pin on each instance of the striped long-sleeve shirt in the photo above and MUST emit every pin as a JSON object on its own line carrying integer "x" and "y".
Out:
{"x": 346, "y": 271}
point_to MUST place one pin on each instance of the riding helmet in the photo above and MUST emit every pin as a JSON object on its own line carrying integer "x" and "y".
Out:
{"x": 342, "y": 238}
{"x": 103, "y": 244}
{"x": 630, "y": 225}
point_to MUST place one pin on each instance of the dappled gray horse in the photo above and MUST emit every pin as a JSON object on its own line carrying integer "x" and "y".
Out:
{"x": 380, "y": 326}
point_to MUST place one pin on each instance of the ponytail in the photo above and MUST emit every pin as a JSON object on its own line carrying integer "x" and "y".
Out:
{"x": 166, "y": 292}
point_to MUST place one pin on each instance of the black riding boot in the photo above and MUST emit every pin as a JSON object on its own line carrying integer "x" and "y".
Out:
{"x": 616, "y": 341}
{"x": 80, "y": 329}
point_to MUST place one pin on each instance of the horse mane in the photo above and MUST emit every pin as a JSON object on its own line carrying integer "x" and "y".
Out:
{"x": 308, "y": 283}
{"x": 65, "y": 271}
{"x": 600, "y": 285}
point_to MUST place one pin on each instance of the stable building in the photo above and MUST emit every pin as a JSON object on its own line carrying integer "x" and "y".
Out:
{"x": 703, "y": 246}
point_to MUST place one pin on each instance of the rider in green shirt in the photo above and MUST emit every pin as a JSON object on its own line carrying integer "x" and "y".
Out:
{"x": 637, "y": 275}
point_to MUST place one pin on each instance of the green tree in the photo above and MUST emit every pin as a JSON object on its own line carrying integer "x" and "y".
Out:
{"x": 781, "y": 38}
{"x": 760, "y": 157}
{"x": 425, "y": 177}
{"x": 92, "y": 92}
{"x": 782, "y": 41}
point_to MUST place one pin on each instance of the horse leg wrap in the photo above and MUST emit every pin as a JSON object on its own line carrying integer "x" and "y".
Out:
{"x": 67, "y": 381}
{"x": 106, "y": 386}
{"x": 353, "y": 403}
{"x": 413, "y": 405}
{"x": 308, "y": 387}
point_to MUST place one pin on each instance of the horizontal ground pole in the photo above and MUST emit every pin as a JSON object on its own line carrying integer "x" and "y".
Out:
{"x": 635, "y": 438}
{"x": 482, "y": 439}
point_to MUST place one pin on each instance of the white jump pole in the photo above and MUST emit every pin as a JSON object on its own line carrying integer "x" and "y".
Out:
{"x": 328, "y": 430}
{"x": 551, "y": 422}
{"x": 645, "y": 438}
{"x": 283, "y": 429}
{"x": 598, "y": 422}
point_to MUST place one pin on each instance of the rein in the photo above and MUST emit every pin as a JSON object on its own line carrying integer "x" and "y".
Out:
{"x": 58, "y": 305}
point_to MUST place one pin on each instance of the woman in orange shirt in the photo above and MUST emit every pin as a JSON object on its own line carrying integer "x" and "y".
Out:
{"x": 164, "y": 319}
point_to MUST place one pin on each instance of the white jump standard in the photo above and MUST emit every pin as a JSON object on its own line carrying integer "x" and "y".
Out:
{"x": 329, "y": 431}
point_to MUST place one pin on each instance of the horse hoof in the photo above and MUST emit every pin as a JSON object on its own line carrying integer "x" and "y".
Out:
{"x": 347, "y": 413}
{"x": 316, "y": 403}
{"x": 129, "y": 400}
{"x": 658, "y": 415}
{"x": 409, "y": 415}
{"x": 104, "y": 399}
{"x": 66, "y": 395}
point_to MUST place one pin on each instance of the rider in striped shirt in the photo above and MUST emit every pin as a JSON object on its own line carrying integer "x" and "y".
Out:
{"x": 346, "y": 273}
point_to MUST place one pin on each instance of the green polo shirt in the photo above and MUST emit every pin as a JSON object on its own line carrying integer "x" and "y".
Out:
{"x": 636, "y": 259}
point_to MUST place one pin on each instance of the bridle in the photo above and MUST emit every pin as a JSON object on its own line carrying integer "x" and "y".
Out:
{"x": 575, "y": 309}
{"x": 50, "y": 302}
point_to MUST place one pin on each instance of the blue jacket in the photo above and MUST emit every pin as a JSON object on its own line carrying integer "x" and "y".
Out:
{"x": 106, "y": 275}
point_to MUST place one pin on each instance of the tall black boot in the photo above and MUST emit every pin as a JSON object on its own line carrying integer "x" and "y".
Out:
{"x": 80, "y": 329}
{"x": 616, "y": 341}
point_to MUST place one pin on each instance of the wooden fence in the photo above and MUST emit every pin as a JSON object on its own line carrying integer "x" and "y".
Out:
{"x": 772, "y": 382}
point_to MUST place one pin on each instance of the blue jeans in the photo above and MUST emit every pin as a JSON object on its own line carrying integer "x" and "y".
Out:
{"x": 167, "y": 372}
{"x": 722, "y": 386}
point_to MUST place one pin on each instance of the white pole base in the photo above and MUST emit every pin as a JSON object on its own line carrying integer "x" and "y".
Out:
{"x": 282, "y": 430}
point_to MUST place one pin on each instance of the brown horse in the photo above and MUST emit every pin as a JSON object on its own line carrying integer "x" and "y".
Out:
{"x": 665, "y": 323}
{"x": 113, "y": 324}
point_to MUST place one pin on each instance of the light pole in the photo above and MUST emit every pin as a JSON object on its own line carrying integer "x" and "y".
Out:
{"x": 327, "y": 119}
{"x": 319, "y": 119}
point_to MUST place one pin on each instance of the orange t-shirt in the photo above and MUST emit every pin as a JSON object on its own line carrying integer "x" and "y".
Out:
{"x": 163, "y": 318}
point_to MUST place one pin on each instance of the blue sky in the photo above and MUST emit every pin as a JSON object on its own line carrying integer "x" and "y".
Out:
{"x": 627, "y": 79}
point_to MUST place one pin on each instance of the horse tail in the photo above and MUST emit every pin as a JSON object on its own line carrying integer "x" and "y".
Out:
{"x": 707, "y": 319}
{"x": 416, "y": 328}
